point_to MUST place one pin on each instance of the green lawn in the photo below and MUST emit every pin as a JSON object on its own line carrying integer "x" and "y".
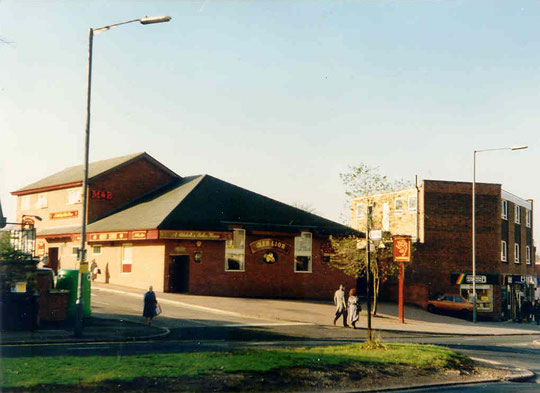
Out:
{"x": 33, "y": 371}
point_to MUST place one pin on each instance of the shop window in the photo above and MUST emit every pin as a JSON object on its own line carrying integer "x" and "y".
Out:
{"x": 96, "y": 250}
{"x": 528, "y": 218}
{"x": 235, "y": 252}
{"x": 359, "y": 211}
{"x": 504, "y": 251}
{"x": 528, "y": 254}
{"x": 127, "y": 258}
{"x": 398, "y": 205}
{"x": 41, "y": 202}
{"x": 516, "y": 253}
{"x": 504, "y": 209}
{"x": 75, "y": 251}
{"x": 517, "y": 218}
{"x": 25, "y": 202}
{"x": 412, "y": 204}
{"x": 303, "y": 253}
{"x": 484, "y": 296}
{"x": 74, "y": 196}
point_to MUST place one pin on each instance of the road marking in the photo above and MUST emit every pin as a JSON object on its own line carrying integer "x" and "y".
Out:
{"x": 486, "y": 361}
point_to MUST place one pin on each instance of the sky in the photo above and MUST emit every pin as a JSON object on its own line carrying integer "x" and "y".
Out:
{"x": 278, "y": 97}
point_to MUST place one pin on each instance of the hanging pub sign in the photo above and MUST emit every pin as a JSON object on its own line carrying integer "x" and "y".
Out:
{"x": 100, "y": 194}
{"x": 269, "y": 244}
{"x": 402, "y": 249}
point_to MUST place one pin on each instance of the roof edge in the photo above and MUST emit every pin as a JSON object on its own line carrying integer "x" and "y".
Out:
{"x": 48, "y": 188}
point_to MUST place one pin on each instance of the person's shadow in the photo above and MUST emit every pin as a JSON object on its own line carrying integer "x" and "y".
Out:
{"x": 107, "y": 274}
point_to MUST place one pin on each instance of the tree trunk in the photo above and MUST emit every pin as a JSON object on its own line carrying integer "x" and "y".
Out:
{"x": 375, "y": 294}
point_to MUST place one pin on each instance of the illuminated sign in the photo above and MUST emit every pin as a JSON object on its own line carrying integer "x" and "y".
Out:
{"x": 67, "y": 214}
{"x": 195, "y": 235}
{"x": 269, "y": 244}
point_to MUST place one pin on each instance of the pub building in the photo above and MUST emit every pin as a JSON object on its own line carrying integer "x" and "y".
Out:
{"x": 198, "y": 234}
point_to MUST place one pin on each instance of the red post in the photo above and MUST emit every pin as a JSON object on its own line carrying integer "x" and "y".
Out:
{"x": 401, "y": 281}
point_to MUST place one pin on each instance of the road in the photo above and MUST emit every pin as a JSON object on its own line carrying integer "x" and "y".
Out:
{"x": 196, "y": 328}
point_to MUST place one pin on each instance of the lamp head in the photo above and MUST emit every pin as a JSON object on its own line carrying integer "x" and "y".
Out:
{"x": 154, "y": 19}
{"x": 519, "y": 147}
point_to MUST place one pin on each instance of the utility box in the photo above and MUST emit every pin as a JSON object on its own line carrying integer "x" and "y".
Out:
{"x": 68, "y": 279}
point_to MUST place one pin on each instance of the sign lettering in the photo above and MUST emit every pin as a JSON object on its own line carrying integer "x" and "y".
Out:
{"x": 195, "y": 235}
{"x": 67, "y": 214}
{"x": 269, "y": 244}
{"x": 100, "y": 194}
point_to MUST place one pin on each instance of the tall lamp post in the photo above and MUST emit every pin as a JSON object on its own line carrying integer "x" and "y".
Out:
{"x": 83, "y": 267}
{"x": 474, "y": 220}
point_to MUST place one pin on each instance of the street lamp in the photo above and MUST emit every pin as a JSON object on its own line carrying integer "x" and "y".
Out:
{"x": 474, "y": 219}
{"x": 82, "y": 251}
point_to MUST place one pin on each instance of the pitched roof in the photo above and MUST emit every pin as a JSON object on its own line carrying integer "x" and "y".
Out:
{"x": 75, "y": 174}
{"x": 207, "y": 203}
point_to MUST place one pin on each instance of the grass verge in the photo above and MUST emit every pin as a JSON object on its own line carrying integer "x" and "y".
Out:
{"x": 34, "y": 371}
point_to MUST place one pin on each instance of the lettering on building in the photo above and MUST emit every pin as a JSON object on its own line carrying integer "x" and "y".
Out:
{"x": 66, "y": 214}
{"x": 269, "y": 244}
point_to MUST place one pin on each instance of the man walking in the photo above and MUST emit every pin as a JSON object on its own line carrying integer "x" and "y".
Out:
{"x": 341, "y": 305}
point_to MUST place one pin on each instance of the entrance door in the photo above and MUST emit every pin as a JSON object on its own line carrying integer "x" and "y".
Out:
{"x": 53, "y": 259}
{"x": 179, "y": 274}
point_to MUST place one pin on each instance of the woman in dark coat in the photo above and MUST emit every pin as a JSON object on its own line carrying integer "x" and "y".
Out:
{"x": 150, "y": 304}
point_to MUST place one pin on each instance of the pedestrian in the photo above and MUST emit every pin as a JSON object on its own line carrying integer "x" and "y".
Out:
{"x": 94, "y": 270}
{"x": 536, "y": 311}
{"x": 526, "y": 310}
{"x": 150, "y": 305}
{"x": 354, "y": 307}
{"x": 341, "y": 305}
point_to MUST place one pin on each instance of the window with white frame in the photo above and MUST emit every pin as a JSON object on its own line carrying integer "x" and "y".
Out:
{"x": 528, "y": 218}
{"x": 504, "y": 251}
{"x": 96, "y": 249}
{"x": 41, "y": 202}
{"x": 398, "y": 205}
{"x": 412, "y": 204}
{"x": 517, "y": 218}
{"x": 359, "y": 211}
{"x": 75, "y": 251}
{"x": 127, "y": 257}
{"x": 504, "y": 209}
{"x": 528, "y": 254}
{"x": 516, "y": 253}
{"x": 235, "y": 252}
{"x": 303, "y": 252}
{"x": 74, "y": 196}
{"x": 25, "y": 202}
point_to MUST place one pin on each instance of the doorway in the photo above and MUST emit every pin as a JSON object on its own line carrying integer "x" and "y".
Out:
{"x": 179, "y": 274}
{"x": 53, "y": 259}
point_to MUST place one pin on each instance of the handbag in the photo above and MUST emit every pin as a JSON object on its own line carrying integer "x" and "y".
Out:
{"x": 158, "y": 309}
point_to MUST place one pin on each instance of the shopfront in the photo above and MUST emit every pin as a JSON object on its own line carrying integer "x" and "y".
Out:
{"x": 517, "y": 289}
{"x": 486, "y": 284}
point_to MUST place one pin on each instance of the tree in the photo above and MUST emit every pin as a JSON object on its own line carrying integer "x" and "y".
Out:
{"x": 350, "y": 252}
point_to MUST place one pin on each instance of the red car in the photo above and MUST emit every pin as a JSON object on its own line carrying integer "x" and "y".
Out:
{"x": 452, "y": 304}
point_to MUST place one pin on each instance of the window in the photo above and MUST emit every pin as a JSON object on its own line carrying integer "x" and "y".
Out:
{"x": 504, "y": 251}
{"x": 528, "y": 254}
{"x": 96, "y": 250}
{"x": 398, "y": 205}
{"x": 127, "y": 258}
{"x": 528, "y": 218}
{"x": 517, "y": 218}
{"x": 504, "y": 209}
{"x": 74, "y": 196}
{"x": 516, "y": 253}
{"x": 302, "y": 253}
{"x": 412, "y": 203}
{"x": 359, "y": 211}
{"x": 235, "y": 252}
{"x": 25, "y": 202}
{"x": 41, "y": 202}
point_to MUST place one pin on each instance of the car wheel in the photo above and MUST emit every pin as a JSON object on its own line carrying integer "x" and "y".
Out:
{"x": 430, "y": 308}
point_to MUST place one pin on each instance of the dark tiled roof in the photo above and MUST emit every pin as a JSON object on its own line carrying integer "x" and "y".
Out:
{"x": 207, "y": 203}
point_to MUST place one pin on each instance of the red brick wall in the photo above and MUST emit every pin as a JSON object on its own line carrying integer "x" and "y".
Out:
{"x": 260, "y": 279}
{"x": 125, "y": 184}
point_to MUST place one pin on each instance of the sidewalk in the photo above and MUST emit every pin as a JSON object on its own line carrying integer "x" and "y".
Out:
{"x": 98, "y": 328}
{"x": 321, "y": 313}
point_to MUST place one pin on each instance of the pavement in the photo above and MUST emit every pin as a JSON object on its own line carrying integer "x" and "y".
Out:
{"x": 107, "y": 327}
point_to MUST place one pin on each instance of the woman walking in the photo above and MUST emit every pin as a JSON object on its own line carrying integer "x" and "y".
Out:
{"x": 354, "y": 307}
{"x": 150, "y": 304}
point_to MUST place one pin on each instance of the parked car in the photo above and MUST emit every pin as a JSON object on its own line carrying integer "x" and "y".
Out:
{"x": 451, "y": 304}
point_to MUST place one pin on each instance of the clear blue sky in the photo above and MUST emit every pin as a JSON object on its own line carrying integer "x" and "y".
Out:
{"x": 275, "y": 96}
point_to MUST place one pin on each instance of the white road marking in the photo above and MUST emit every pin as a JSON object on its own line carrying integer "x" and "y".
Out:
{"x": 486, "y": 361}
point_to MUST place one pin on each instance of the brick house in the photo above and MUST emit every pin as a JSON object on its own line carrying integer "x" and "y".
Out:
{"x": 199, "y": 234}
{"x": 438, "y": 217}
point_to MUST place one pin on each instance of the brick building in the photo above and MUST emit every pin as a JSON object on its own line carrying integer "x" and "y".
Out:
{"x": 438, "y": 217}
{"x": 149, "y": 226}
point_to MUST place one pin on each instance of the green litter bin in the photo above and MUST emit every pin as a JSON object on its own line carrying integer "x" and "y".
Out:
{"x": 69, "y": 279}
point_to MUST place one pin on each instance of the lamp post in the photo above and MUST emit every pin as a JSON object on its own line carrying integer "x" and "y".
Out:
{"x": 82, "y": 251}
{"x": 474, "y": 220}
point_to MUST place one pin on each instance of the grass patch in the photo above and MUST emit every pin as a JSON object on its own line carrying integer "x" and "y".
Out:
{"x": 33, "y": 371}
